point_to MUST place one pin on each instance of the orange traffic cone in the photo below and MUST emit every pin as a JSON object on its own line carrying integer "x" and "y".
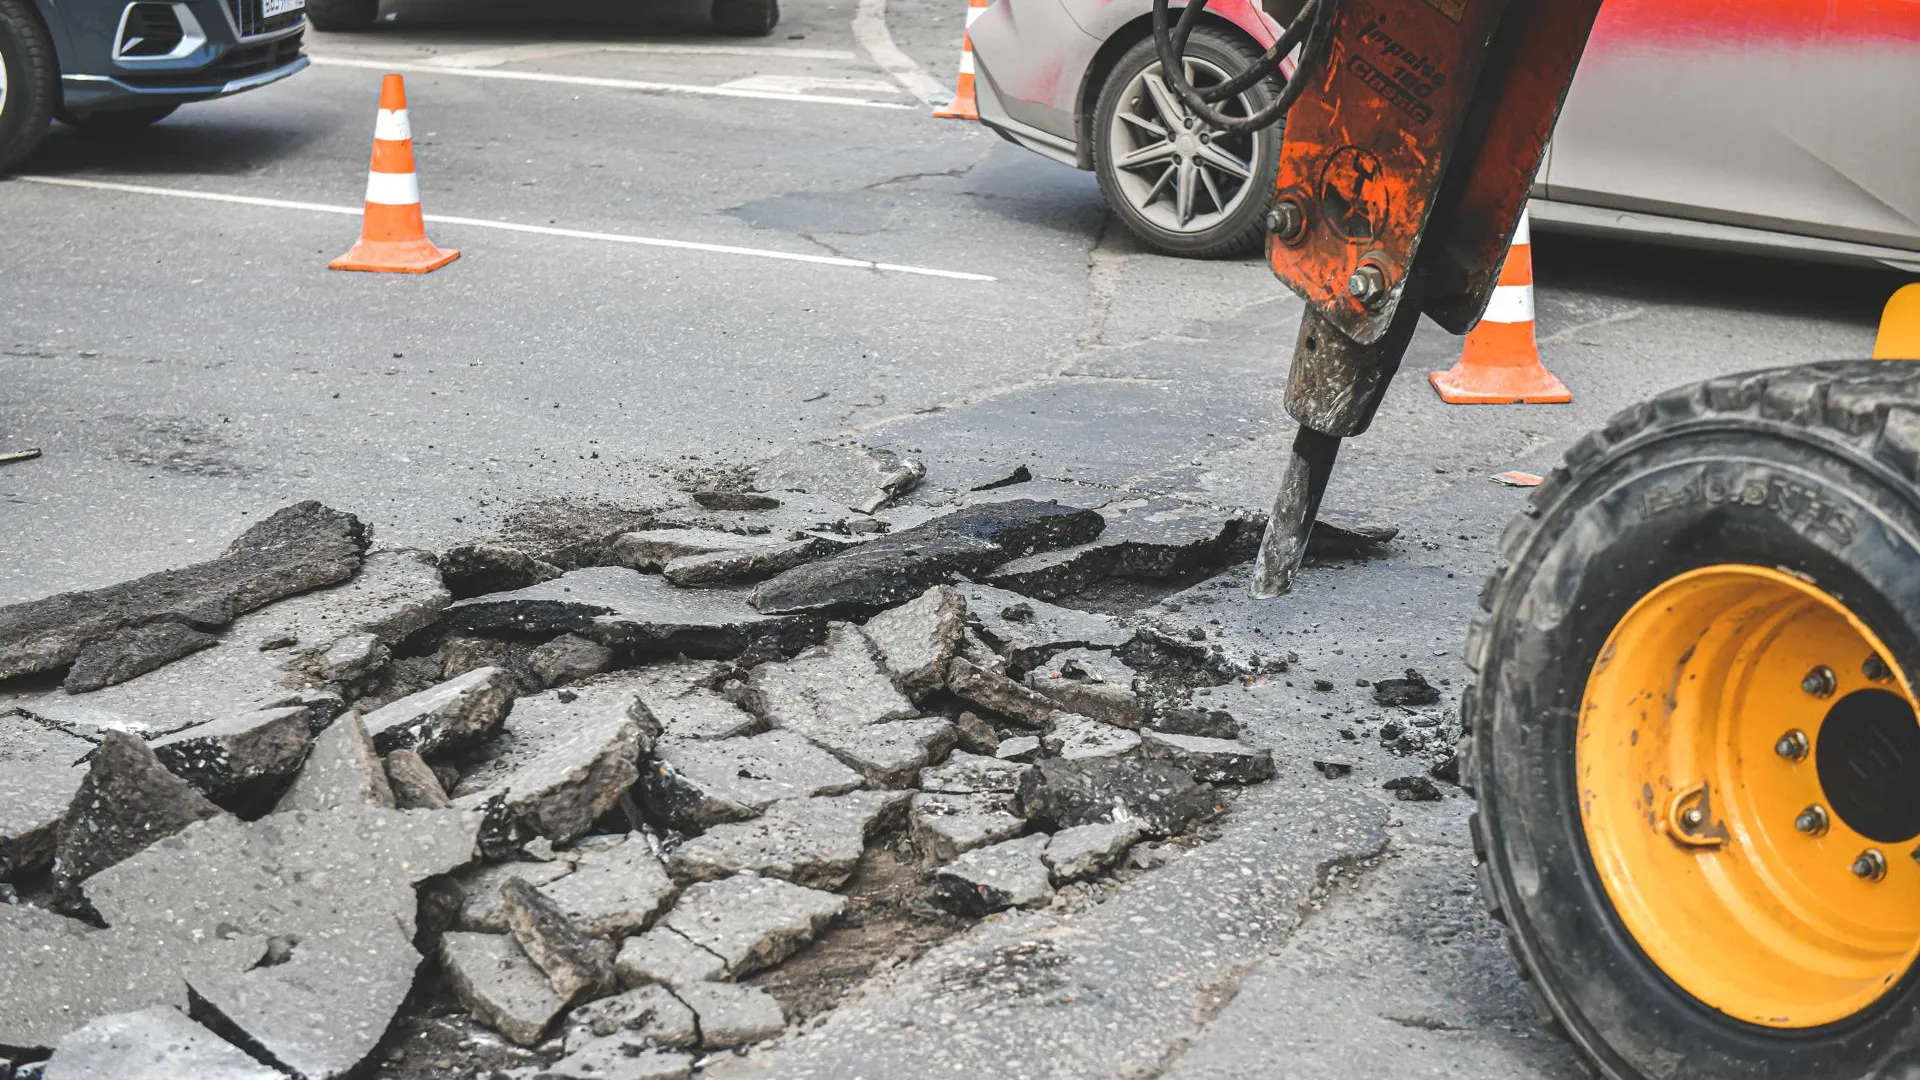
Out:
{"x": 393, "y": 236}
{"x": 963, "y": 106}
{"x": 1500, "y": 364}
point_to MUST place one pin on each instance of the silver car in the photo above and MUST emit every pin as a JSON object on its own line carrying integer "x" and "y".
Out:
{"x": 1782, "y": 125}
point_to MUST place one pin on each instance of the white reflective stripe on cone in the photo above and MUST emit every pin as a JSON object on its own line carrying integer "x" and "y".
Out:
{"x": 966, "y": 62}
{"x": 974, "y": 13}
{"x": 1510, "y": 304}
{"x": 392, "y": 124}
{"x": 1523, "y": 234}
{"x": 393, "y": 189}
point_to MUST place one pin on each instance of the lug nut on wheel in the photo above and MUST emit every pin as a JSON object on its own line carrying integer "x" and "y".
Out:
{"x": 1793, "y": 745}
{"x": 1820, "y": 682}
{"x": 1812, "y": 821}
{"x": 1870, "y": 866}
{"x": 1876, "y": 670}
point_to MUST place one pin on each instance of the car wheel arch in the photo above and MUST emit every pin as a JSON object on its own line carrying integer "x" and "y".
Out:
{"x": 1107, "y": 55}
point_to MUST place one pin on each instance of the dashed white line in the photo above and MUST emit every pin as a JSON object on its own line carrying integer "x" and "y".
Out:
{"x": 408, "y": 67}
{"x": 870, "y": 30}
{"x": 509, "y": 226}
{"x": 550, "y": 50}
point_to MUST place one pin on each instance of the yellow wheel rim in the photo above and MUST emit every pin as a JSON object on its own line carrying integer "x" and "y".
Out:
{"x": 1715, "y": 710}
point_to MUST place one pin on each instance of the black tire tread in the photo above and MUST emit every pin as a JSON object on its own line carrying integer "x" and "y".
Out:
{"x": 1870, "y": 407}
{"x": 42, "y": 70}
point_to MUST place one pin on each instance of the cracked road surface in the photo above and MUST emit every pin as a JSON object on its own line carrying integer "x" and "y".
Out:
{"x": 189, "y": 365}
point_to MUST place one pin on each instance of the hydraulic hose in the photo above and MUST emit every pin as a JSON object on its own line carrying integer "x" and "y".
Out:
{"x": 1311, "y": 32}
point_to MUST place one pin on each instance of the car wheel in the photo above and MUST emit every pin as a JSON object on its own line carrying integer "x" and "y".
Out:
{"x": 746, "y": 18}
{"x": 115, "y": 121}
{"x": 343, "y": 15}
{"x": 29, "y": 82}
{"x": 1180, "y": 188}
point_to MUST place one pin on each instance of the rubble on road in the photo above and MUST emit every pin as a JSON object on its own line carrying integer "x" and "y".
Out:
{"x": 945, "y": 825}
{"x": 1082, "y": 851}
{"x": 694, "y": 784}
{"x": 499, "y": 985}
{"x": 899, "y": 566}
{"x": 813, "y": 842}
{"x": 998, "y": 694}
{"x": 1160, "y": 796}
{"x": 1091, "y": 682}
{"x": 647, "y": 1015}
{"x": 414, "y": 785}
{"x": 474, "y": 569}
{"x": 564, "y": 760}
{"x": 343, "y": 772}
{"x": 127, "y": 801}
{"x": 863, "y": 478}
{"x": 916, "y": 640}
{"x": 830, "y": 687}
{"x": 1210, "y": 761}
{"x": 891, "y": 755}
{"x": 1073, "y": 738}
{"x": 577, "y": 966}
{"x": 228, "y": 757}
{"x": 665, "y": 956}
{"x": 613, "y": 889}
{"x": 1150, "y": 539}
{"x": 731, "y": 1015}
{"x": 994, "y": 878}
{"x": 156, "y": 1042}
{"x": 40, "y": 769}
{"x": 751, "y": 922}
{"x": 1026, "y": 630}
{"x": 568, "y": 658}
{"x": 1412, "y": 690}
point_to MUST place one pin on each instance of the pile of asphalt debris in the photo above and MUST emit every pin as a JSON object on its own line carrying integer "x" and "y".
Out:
{"x": 585, "y": 778}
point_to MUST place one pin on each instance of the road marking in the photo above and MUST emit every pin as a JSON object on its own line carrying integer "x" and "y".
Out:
{"x": 551, "y": 50}
{"x": 800, "y": 84}
{"x": 870, "y": 30}
{"x": 510, "y": 226}
{"x": 594, "y": 80}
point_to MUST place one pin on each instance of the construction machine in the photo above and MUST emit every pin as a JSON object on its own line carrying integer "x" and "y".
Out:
{"x": 1692, "y": 734}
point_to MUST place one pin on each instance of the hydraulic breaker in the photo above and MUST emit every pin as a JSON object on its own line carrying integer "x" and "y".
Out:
{"x": 1413, "y": 131}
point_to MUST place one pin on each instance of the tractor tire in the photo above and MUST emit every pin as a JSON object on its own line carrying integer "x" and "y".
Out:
{"x": 29, "y": 81}
{"x": 1692, "y": 732}
{"x": 746, "y": 18}
{"x": 343, "y": 16}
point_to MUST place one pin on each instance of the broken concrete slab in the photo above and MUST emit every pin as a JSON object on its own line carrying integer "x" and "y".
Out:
{"x": 1151, "y": 539}
{"x": 813, "y": 842}
{"x": 616, "y": 1058}
{"x": 1210, "y": 761}
{"x": 793, "y": 515}
{"x": 568, "y": 658}
{"x": 976, "y": 735}
{"x": 1019, "y": 748}
{"x": 946, "y": 825}
{"x": 577, "y": 966}
{"x": 747, "y": 564}
{"x": 1025, "y": 630}
{"x": 1080, "y": 852}
{"x": 414, "y": 785}
{"x": 830, "y": 687}
{"x": 1210, "y": 723}
{"x": 752, "y": 922}
{"x": 58, "y": 973}
{"x": 337, "y": 887}
{"x": 900, "y": 566}
{"x": 499, "y": 985}
{"x": 127, "y": 801}
{"x": 640, "y": 615}
{"x": 666, "y": 957}
{"x": 1091, "y": 682}
{"x": 863, "y": 478}
{"x": 132, "y": 651}
{"x": 965, "y": 773}
{"x": 693, "y": 784}
{"x": 349, "y": 657}
{"x": 650, "y": 550}
{"x": 1159, "y": 795}
{"x": 996, "y": 877}
{"x": 998, "y": 694}
{"x": 479, "y": 887}
{"x": 453, "y": 715}
{"x": 1075, "y": 737}
{"x": 1336, "y": 533}
{"x": 700, "y": 714}
{"x": 40, "y": 770}
{"x": 916, "y": 640}
{"x": 342, "y": 772}
{"x": 155, "y": 1042}
{"x": 614, "y": 890}
{"x": 479, "y": 568}
{"x": 565, "y": 758}
{"x": 891, "y": 755}
{"x": 394, "y": 594}
{"x": 1412, "y": 690}
{"x": 648, "y": 1015}
{"x": 300, "y": 547}
{"x": 234, "y": 756}
{"x": 732, "y": 1015}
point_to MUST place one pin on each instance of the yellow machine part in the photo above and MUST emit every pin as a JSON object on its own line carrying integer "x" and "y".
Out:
{"x": 1899, "y": 336}
{"x": 1702, "y": 802}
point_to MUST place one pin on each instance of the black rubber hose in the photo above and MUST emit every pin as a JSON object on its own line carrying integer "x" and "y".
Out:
{"x": 1170, "y": 42}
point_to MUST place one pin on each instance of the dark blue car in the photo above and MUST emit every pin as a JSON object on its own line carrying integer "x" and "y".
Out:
{"x": 112, "y": 66}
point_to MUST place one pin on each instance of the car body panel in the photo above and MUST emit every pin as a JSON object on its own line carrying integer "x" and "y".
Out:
{"x": 1787, "y": 115}
{"x": 92, "y": 77}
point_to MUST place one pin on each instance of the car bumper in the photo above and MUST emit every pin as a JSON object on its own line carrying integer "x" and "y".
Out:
{"x": 97, "y": 91}
{"x": 206, "y": 49}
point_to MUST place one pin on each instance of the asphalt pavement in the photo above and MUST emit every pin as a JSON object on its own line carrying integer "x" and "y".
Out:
{"x": 686, "y": 252}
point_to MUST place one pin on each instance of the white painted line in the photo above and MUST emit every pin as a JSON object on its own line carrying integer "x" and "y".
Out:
{"x": 870, "y": 30}
{"x": 800, "y": 84}
{"x": 510, "y": 226}
{"x": 594, "y": 80}
{"x": 551, "y": 50}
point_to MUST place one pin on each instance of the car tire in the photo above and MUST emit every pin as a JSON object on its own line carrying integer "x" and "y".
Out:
{"x": 746, "y": 18}
{"x": 1154, "y": 216}
{"x": 115, "y": 121}
{"x": 29, "y": 82}
{"x": 1804, "y": 481}
{"x": 343, "y": 16}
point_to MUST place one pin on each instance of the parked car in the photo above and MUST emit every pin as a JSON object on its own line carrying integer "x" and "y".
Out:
{"x": 113, "y": 66}
{"x": 1782, "y": 125}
